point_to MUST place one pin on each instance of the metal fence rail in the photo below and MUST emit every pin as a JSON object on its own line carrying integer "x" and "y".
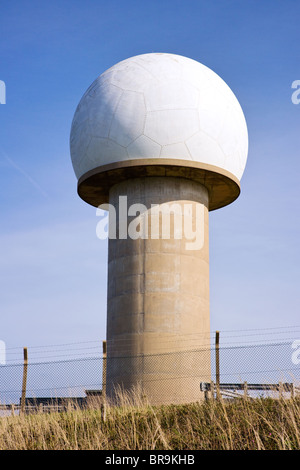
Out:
{"x": 282, "y": 390}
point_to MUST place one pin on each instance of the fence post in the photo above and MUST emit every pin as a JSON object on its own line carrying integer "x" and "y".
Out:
{"x": 280, "y": 387}
{"x": 212, "y": 390}
{"x": 217, "y": 347}
{"x": 103, "y": 401}
{"x": 245, "y": 390}
{"x": 292, "y": 390}
{"x": 24, "y": 384}
{"x": 104, "y": 369}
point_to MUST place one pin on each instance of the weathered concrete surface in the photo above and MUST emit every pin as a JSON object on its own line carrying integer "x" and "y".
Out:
{"x": 158, "y": 294}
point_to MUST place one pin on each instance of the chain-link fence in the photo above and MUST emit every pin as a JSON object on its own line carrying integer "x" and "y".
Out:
{"x": 63, "y": 378}
{"x": 169, "y": 377}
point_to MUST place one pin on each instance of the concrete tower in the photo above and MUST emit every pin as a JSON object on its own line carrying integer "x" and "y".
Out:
{"x": 163, "y": 140}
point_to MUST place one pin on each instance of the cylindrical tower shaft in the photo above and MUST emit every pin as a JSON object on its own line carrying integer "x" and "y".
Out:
{"x": 158, "y": 288}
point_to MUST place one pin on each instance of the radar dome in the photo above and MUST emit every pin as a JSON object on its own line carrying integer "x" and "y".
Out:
{"x": 159, "y": 109}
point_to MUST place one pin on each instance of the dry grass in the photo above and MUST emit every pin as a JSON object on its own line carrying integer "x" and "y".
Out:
{"x": 260, "y": 424}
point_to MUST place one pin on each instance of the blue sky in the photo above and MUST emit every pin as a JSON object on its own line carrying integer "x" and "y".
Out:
{"x": 52, "y": 266}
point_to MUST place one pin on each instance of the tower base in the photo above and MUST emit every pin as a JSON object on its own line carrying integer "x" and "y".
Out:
{"x": 158, "y": 329}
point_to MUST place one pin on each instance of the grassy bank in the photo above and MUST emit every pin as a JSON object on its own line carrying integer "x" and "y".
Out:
{"x": 242, "y": 424}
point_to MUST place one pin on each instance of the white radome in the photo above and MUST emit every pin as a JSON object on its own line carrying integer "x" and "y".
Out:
{"x": 159, "y": 106}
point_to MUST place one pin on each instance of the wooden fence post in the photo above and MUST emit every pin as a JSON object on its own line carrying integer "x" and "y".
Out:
{"x": 212, "y": 390}
{"x": 103, "y": 404}
{"x": 245, "y": 390}
{"x": 292, "y": 390}
{"x": 217, "y": 347}
{"x": 24, "y": 384}
{"x": 104, "y": 369}
{"x": 280, "y": 387}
